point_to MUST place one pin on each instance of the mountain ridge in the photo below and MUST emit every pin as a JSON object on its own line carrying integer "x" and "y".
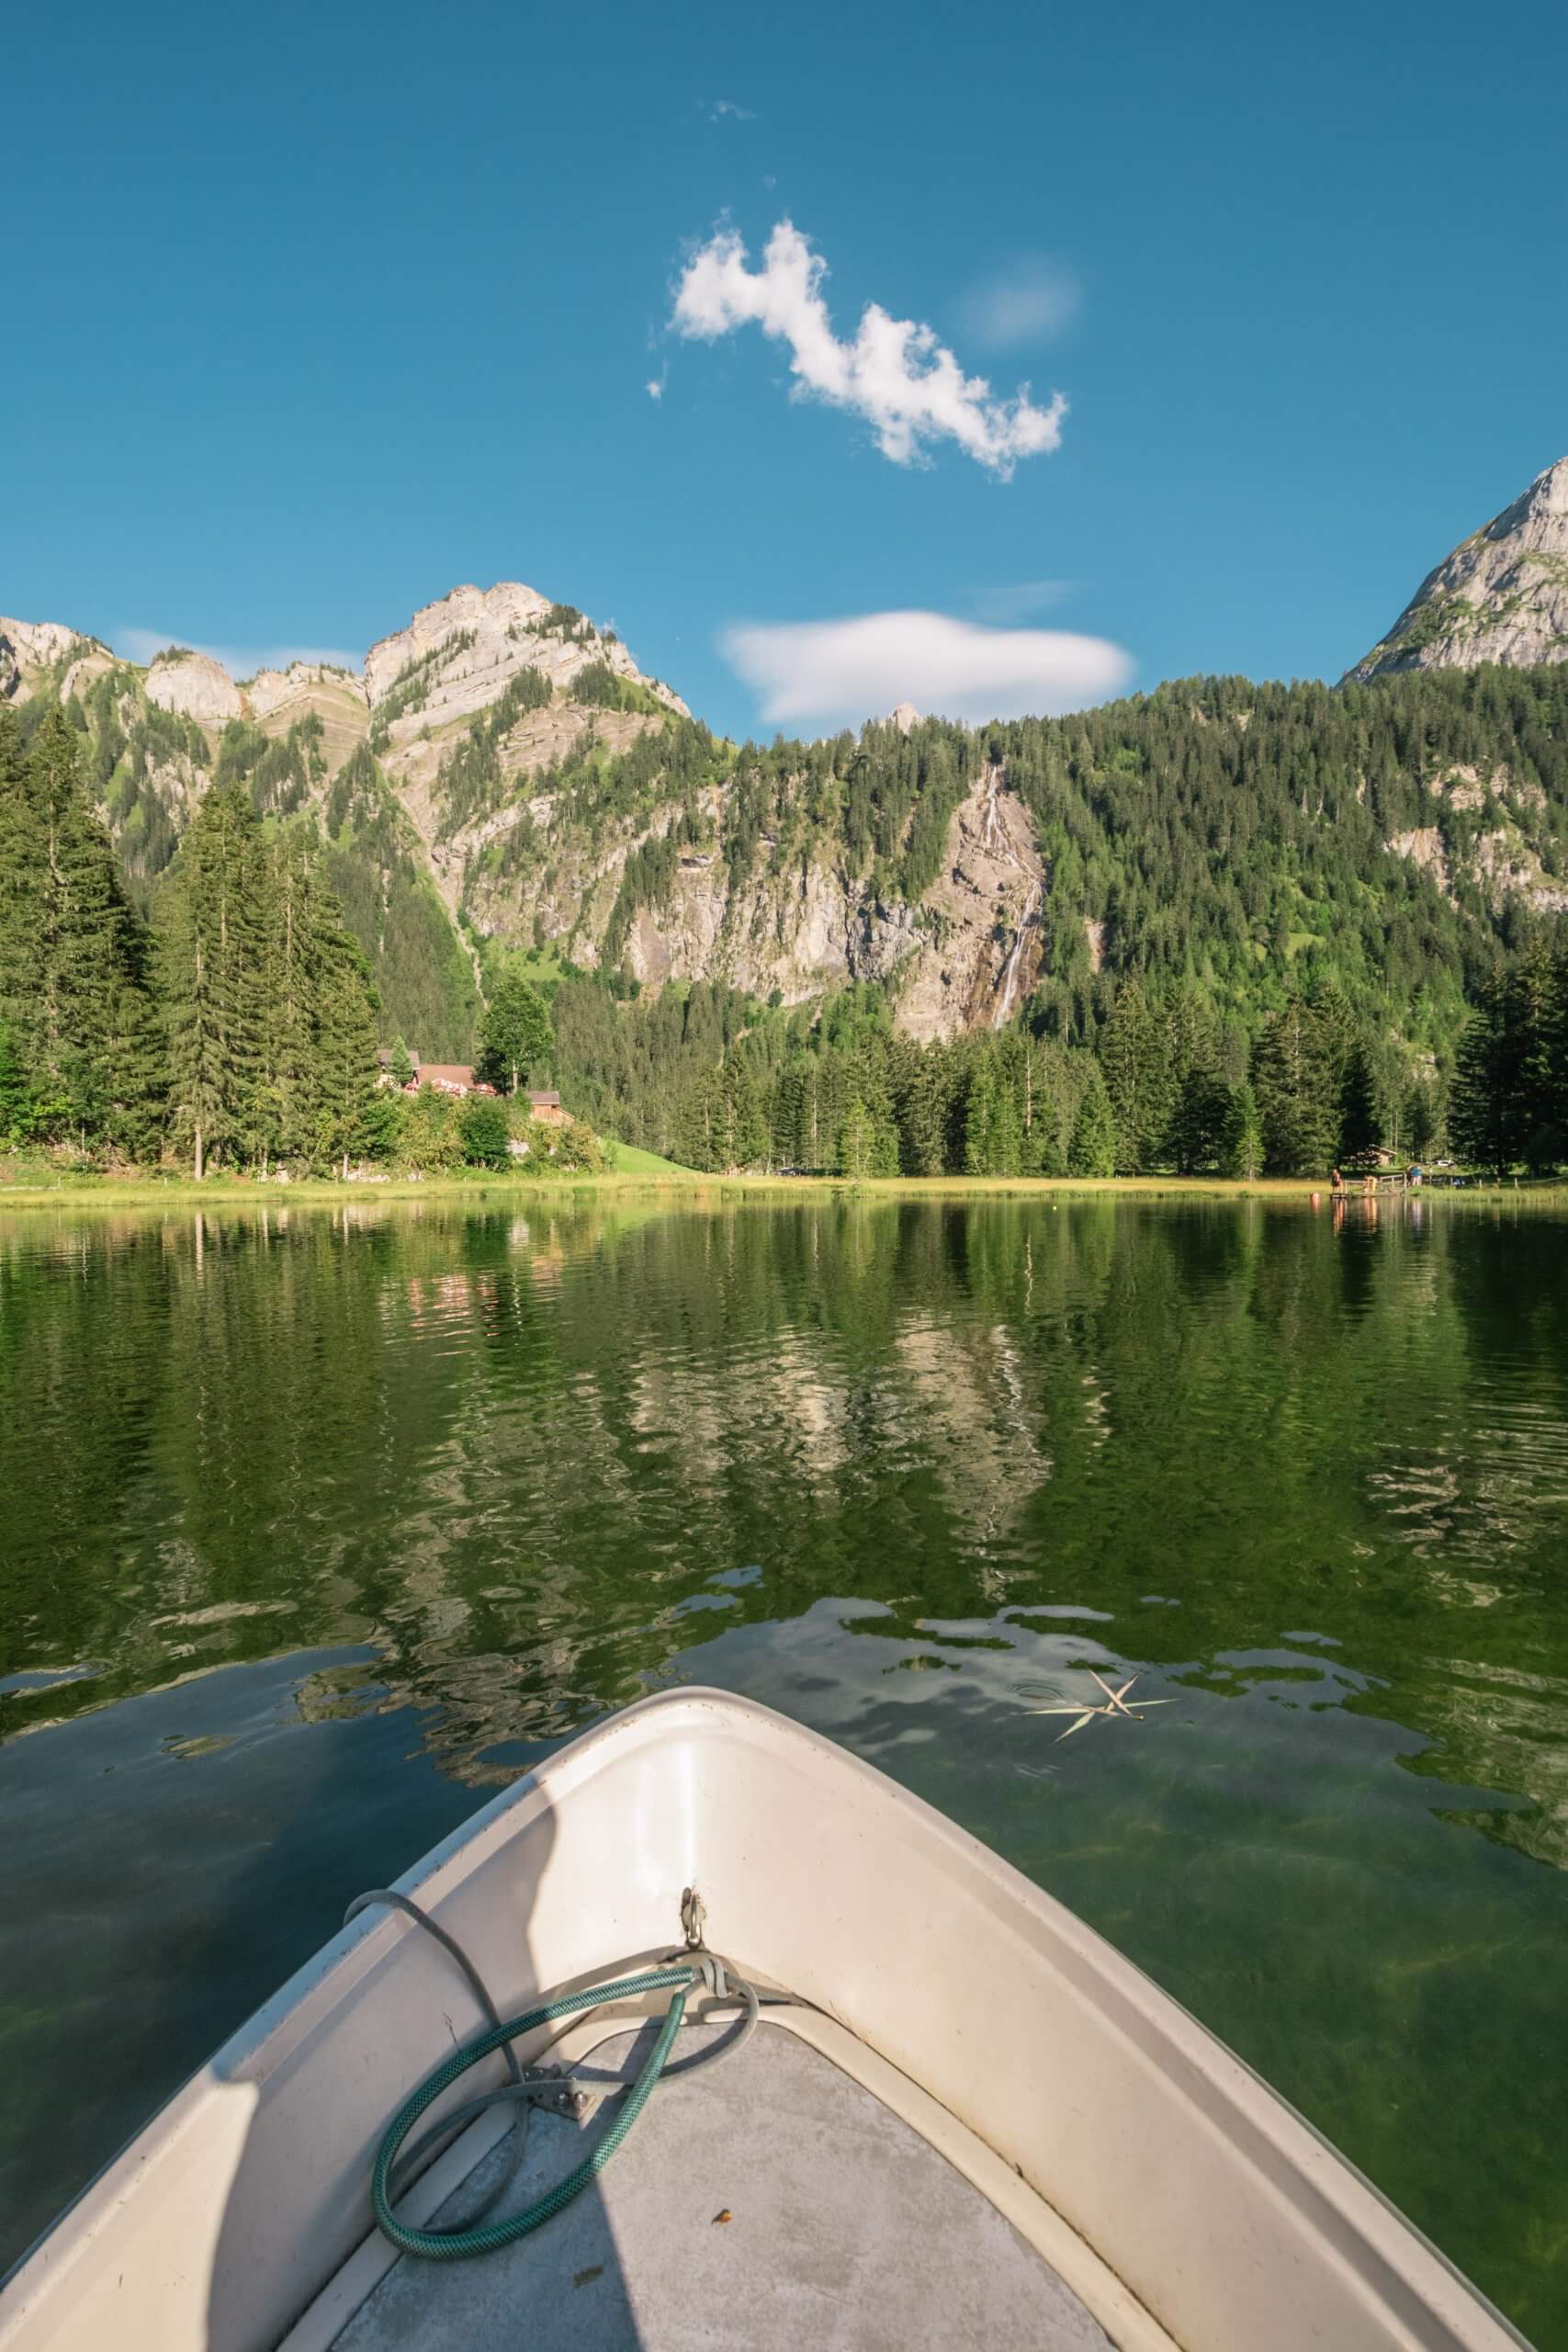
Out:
{"x": 501, "y": 780}
{"x": 1501, "y": 596}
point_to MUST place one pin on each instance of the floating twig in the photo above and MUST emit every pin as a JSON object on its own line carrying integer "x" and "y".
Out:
{"x": 1115, "y": 1705}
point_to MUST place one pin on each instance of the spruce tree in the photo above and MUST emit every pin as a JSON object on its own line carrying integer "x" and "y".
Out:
{"x": 69, "y": 944}
{"x": 21, "y": 904}
{"x": 856, "y": 1142}
{"x": 1420, "y": 1119}
{"x": 1134, "y": 1060}
{"x": 1483, "y": 1109}
{"x": 136, "y": 1064}
{"x": 290, "y": 1093}
{"x": 1297, "y": 1089}
{"x": 1092, "y": 1151}
{"x": 979, "y": 1115}
{"x": 346, "y": 1064}
{"x": 16, "y": 1094}
{"x": 213, "y": 962}
{"x": 742, "y": 1131}
{"x": 1241, "y": 1146}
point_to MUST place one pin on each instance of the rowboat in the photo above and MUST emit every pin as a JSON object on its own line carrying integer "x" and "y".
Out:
{"x": 947, "y": 2113}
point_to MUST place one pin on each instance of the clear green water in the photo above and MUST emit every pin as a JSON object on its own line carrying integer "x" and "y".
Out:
{"x": 338, "y": 1520}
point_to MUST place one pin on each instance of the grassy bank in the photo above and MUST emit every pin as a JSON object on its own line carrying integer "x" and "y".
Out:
{"x": 636, "y": 1171}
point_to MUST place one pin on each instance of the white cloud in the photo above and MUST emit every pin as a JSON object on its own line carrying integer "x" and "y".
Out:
{"x": 141, "y": 645}
{"x": 1024, "y": 302}
{"x": 895, "y": 373}
{"x": 655, "y": 385}
{"x": 835, "y": 673}
{"x": 722, "y": 106}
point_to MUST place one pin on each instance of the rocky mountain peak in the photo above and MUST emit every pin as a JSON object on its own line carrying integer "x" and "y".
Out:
{"x": 1502, "y": 596}
{"x": 193, "y": 684}
{"x": 904, "y": 716}
{"x": 459, "y": 655}
{"x": 29, "y": 646}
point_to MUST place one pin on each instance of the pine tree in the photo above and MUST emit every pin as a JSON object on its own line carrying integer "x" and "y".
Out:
{"x": 1420, "y": 1120}
{"x": 213, "y": 959}
{"x": 1092, "y": 1151}
{"x": 16, "y": 1094}
{"x": 21, "y": 902}
{"x": 1134, "y": 1060}
{"x": 290, "y": 1095}
{"x": 1484, "y": 1123}
{"x": 69, "y": 944}
{"x": 1360, "y": 1127}
{"x": 346, "y": 1064}
{"x": 136, "y": 1064}
{"x": 742, "y": 1133}
{"x": 1297, "y": 1089}
{"x": 979, "y": 1115}
{"x": 1241, "y": 1147}
{"x": 1533, "y": 1024}
{"x": 856, "y": 1142}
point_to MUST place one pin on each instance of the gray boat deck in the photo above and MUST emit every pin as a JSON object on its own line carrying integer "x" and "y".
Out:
{"x": 846, "y": 2231}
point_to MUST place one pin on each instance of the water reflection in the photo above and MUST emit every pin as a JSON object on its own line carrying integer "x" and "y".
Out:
{"x": 906, "y": 1469}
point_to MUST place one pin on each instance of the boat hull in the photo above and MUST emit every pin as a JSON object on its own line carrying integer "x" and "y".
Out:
{"x": 1176, "y": 2194}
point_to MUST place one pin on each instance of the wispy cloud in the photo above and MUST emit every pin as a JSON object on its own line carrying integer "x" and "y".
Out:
{"x": 1008, "y": 600}
{"x": 896, "y": 373}
{"x": 723, "y": 107}
{"x": 141, "y": 645}
{"x": 655, "y": 385}
{"x": 834, "y": 673}
{"x": 1026, "y": 301}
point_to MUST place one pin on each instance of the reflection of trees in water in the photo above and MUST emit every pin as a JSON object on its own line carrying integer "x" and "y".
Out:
{"x": 518, "y": 1448}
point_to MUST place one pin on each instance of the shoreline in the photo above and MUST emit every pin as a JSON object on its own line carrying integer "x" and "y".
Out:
{"x": 497, "y": 1189}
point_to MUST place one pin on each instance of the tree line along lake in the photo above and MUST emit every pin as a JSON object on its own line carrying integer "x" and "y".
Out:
{"x": 322, "y": 1523}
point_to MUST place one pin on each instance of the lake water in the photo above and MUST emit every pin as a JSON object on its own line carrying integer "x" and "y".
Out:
{"x": 320, "y": 1524}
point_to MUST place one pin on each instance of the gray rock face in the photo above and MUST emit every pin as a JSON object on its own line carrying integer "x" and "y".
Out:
{"x": 457, "y": 656}
{"x": 195, "y": 684}
{"x": 1501, "y": 597}
{"x": 26, "y": 647}
{"x": 269, "y": 690}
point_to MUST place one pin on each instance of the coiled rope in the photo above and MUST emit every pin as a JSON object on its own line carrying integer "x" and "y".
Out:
{"x": 534, "y": 2087}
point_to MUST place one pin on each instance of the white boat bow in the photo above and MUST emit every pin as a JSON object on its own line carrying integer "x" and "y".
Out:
{"x": 976, "y": 2123}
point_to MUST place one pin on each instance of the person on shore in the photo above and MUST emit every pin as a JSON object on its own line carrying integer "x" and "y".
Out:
{"x": 1336, "y": 1180}
{"x": 1370, "y": 1184}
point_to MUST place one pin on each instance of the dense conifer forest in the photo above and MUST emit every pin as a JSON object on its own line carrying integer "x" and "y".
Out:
{"x": 1270, "y": 913}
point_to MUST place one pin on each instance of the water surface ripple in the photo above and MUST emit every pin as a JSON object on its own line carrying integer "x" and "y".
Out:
{"x": 319, "y": 1525}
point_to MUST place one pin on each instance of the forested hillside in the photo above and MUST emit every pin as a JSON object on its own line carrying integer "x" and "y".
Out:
{"x": 505, "y": 791}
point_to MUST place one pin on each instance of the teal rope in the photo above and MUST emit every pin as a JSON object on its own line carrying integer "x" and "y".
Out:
{"x": 453, "y": 2246}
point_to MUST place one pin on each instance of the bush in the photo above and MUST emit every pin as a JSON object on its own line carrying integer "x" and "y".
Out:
{"x": 427, "y": 1134}
{"x": 486, "y": 1132}
{"x": 551, "y": 1149}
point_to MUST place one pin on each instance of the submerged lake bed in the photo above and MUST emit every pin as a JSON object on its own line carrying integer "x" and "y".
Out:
{"x": 323, "y": 1523}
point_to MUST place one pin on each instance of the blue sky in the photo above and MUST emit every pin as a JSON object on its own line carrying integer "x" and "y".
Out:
{"x": 311, "y": 314}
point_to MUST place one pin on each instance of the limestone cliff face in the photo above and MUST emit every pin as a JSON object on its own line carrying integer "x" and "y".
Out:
{"x": 1497, "y": 857}
{"x": 963, "y": 958}
{"x": 458, "y": 656}
{"x": 502, "y": 771}
{"x": 28, "y": 650}
{"x": 1500, "y": 597}
{"x": 196, "y": 686}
